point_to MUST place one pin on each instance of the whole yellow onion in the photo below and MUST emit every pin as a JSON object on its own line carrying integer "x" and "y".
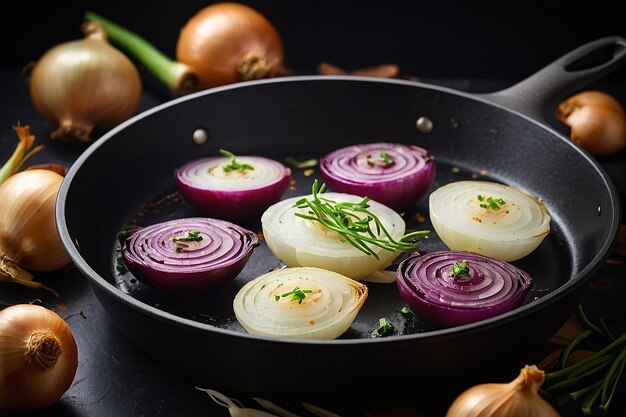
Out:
{"x": 85, "y": 84}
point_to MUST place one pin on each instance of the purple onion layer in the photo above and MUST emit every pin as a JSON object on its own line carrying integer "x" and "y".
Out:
{"x": 232, "y": 204}
{"x": 155, "y": 258}
{"x": 396, "y": 175}
{"x": 433, "y": 292}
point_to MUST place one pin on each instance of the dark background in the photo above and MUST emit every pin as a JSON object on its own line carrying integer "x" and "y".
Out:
{"x": 436, "y": 39}
{"x": 429, "y": 39}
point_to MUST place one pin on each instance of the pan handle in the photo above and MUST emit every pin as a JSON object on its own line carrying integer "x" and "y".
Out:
{"x": 568, "y": 74}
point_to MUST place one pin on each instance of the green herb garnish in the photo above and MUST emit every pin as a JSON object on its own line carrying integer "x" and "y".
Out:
{"x": 460, "y": 270}
{"x": 193, "y": 236}
{"x": 491, "y": 203}
{"x": 353, "y": 221}
{"x": 384, "y": 328}
{"x": 296, "y": 295}
{"x": 386, "y": 158}
{"x": 406, "y": 313}
{"x": 308, "y": 163}
{"x": 596, "y": 377}
{"x": 234, "y": 165}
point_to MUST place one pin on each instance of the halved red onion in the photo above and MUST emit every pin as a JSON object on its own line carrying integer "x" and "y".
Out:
{"x": 393, "y": 174}
{"x": 432, "y": 291}
{"x": 160, "y": 255}
{"x": 235, "y": 194}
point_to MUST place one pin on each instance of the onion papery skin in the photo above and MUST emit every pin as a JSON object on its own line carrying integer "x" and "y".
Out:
{"x": 25, "y": 385}
{"x": 508, "y": 234}
{"x": 85, "y": 84}
{"x": 398, "y": 185}
{"x": 430, "y": 289}
{"x": 150, "y": 254}
{"x": 518, "y": 398}
{"x": 28, "y": 233}
{"x": 235, "y": 195}
{"x": 325, "y": 313}
{"x": 300, "y": 242}
{"x": 230, "y": 42}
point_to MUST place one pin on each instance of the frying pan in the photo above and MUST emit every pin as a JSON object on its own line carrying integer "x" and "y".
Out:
{"x": 127, "y": 177}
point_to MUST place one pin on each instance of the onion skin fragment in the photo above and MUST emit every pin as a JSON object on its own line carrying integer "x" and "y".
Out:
{"x": 265, "y": 306}
{"x": 396, "y": 175}
{"x": 151, "y": 254}
{"x": 430, "y": 289}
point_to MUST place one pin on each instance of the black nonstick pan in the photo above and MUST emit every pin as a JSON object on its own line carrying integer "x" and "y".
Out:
{"x": 127, "y": 177}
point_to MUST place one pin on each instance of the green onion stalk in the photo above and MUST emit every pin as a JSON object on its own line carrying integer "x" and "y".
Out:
{"x": 594, "y": 379}
{"x": 180, "y": 78}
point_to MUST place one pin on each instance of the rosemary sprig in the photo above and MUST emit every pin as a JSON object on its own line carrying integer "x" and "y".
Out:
{"x": 354, "y": 222}
{"x": 595, "y": 377}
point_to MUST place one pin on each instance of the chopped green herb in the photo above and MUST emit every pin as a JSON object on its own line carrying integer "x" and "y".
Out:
{"x": 344, "y": 219}
{"x": 406, "y": 313}
{"x": 455, "y": 170}
{"x": 492, "y": 203}
{"x": 296, "y": 295}
{"x": 309, "y": 163}
{"x": 460, "y": 270}
{"x": 120, "y": 266}
{"x": 234, "y": 165}
{"x": 386, "y": 158}
{"x": 191, "y": 237}
{"x": 384, "y": 328}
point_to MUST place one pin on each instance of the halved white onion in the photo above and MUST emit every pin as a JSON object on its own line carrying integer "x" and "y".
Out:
{"x": 265, "y": 307}
{"x": 509, "y": 233}
{"x": 300, "y": 242}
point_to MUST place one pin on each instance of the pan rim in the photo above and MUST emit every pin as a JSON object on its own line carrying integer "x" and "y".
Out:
{"x": 572, "y": 284}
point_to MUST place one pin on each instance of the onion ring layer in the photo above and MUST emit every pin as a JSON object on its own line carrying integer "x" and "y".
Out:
{"x": 232, "y": 194}
{"x": 393, "y": 174}
{"x": 302, "y": 303}
{"x": 490, "y": 287}
{"x": 300, "y": 242}
{"x": 506, "y": 231}
{"x": 186, "y": 255}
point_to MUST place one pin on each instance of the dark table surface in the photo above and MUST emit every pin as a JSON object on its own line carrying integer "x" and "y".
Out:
{"x": 115, "y": 378}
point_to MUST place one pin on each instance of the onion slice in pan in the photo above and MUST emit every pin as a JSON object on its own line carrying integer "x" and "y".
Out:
{"x": 303, "y": 303}
{"x": 481, "y": 288}
{"x": 233, "y": 194}
{"x": 300, "y": 242}
{"x": 187, "y": 255}
{"x": 489, "y": 218}
{"x": 393, "y": 174}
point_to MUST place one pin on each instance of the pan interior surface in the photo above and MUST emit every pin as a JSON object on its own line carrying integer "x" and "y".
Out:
{"x": 128, "y": 177}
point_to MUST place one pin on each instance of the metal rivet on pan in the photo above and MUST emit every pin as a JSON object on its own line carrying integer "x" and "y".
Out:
{"x": 424, "y": 124}
{"x": 599, "y": 210}
{"x": 200, "y": 136}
